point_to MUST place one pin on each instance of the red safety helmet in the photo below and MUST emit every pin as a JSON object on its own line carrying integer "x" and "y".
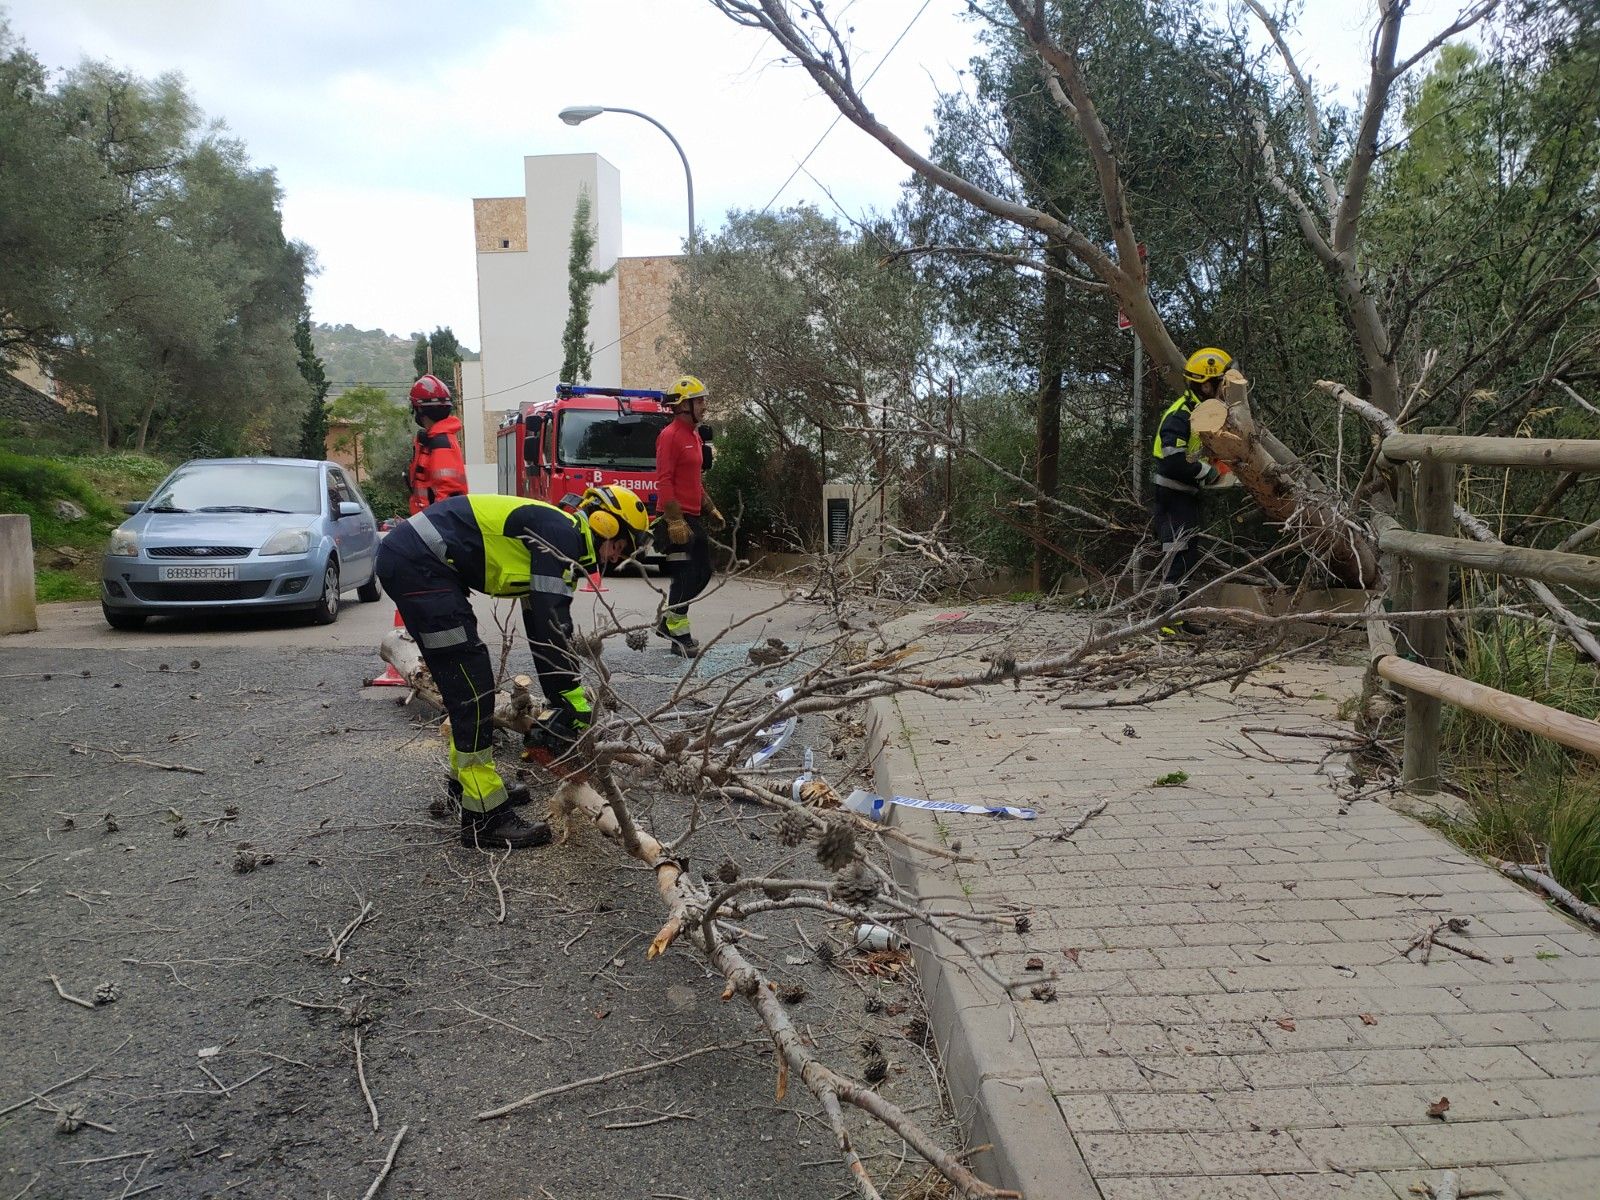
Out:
{"x": 430, "y": 391}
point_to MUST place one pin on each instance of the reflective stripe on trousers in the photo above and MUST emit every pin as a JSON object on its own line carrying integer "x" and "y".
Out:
{"x": 481, "y": 786}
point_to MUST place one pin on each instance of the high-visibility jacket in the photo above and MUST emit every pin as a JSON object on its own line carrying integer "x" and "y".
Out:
{"x": 1177, "y": 450}
{"x": 679, "y": 462}
{"x": 437, "y": 469}
{"x": 513, "y": 546}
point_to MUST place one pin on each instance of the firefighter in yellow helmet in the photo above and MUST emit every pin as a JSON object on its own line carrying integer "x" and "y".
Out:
{"x": 501, "y": 546}
{"x": 1182, "y": 469}
{"x": 685, "y": 509}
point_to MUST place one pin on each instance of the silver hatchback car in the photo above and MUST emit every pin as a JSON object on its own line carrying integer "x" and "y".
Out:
{"x": 242, "y": 533}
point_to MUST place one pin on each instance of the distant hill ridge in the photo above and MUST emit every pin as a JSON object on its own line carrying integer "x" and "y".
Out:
{"x": 352, "y": 356}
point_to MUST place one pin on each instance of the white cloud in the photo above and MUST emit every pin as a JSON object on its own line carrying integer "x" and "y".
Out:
{"x": 384, "y": 118}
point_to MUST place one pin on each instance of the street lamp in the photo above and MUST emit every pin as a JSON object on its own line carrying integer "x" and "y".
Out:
{"x": 577, "y": 114}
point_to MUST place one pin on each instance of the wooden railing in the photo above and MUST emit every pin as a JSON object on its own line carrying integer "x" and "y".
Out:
{"x": 1432, "y": 550}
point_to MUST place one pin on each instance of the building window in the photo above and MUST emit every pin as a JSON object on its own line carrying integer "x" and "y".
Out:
{"x": 505, "y": 243}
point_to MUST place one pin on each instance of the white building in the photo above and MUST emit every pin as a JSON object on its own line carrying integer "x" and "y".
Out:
{"x": 522, "y": 248}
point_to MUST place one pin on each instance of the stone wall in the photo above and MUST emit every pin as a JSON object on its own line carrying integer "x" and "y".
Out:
{"x": 491, "y": 429}
{"x": 644, "y": 293}
{"x": 500, "y": 224}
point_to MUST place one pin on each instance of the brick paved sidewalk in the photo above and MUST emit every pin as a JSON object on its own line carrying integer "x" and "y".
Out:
{"x": 1234, "y": 1019}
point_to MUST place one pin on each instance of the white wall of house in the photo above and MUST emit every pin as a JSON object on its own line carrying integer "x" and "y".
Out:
{"x": 522, "y": 294}
{"x": 477, "y": 443}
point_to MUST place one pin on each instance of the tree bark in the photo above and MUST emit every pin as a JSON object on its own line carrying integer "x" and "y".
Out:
{"x": 1228, "y": 431}
{"x": 1047, "y": 471}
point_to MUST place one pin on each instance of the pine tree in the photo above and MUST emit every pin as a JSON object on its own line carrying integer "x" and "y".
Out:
{"x": 314, "y": 426}
{"x": 577, "y": 354}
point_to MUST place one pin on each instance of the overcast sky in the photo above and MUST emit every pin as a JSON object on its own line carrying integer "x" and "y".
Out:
{"x": 383, "y": 118}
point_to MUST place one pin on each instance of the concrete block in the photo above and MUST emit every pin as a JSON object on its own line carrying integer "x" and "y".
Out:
{"x": 19, "y": 611}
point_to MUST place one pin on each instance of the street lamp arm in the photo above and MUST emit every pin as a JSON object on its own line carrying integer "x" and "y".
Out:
{"x": 688, "y": 176}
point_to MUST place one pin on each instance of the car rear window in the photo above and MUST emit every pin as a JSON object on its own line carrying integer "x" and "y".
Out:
{"x": 240, "y": 487}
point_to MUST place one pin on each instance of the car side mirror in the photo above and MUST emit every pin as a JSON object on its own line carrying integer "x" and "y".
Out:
{"x": 349, "y": 508}
{"x": 133, "y": 506}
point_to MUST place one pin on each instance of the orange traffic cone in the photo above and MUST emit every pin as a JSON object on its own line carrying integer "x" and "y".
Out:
{"x": 593, "y": 584}
{"x": 390, "y": 677}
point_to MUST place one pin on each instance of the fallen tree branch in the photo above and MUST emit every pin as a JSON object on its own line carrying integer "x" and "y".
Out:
{"x": 1587, "y": 913}
{"x": 607, "y": 1077}
{"x": 68, "y": 996}
{"x": 1570, "y": 622}
{"x": 388, "y": 1164}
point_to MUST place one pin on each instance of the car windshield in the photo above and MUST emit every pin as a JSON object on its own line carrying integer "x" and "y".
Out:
{"x": 608, "y": 439}
{"x": 240, "y": 487}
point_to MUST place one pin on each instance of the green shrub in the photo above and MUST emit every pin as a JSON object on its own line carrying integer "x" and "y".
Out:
{"x": 1528, "y": 799}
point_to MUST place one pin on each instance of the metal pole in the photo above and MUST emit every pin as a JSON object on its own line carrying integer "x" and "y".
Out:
{"x": 688, "y": 176}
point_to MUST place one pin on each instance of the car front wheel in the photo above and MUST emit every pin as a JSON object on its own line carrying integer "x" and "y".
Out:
{"x": 118, "y": 619}
{"x": 327, "y": 610}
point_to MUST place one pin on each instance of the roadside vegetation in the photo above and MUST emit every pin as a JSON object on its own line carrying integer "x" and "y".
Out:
{"x": 50, "y": 490}
{"x": 1528, "y": 799}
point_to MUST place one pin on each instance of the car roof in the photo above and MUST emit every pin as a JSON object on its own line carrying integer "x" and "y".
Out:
{"x": 260, "y": 461}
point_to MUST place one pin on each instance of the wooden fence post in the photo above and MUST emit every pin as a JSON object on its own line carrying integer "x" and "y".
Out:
{"x": 1430, "y": 590}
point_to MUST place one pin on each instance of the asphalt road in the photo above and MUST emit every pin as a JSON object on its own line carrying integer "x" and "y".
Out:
{"x": 362, "y": 626}
{"x": 149, "y": 769}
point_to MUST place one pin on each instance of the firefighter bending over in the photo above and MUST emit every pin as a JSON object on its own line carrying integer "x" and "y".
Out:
{"x": 437, "y": 470}
{"x": 684, "y": 510}
{"x": 501, "y": 546}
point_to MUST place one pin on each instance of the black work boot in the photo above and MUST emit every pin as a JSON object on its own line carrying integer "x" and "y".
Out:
{"x": 684, "y": 646}
{"x": 517, "y": 794}
{"x": 501, "y": 828}
{"x": 661, "y": 629}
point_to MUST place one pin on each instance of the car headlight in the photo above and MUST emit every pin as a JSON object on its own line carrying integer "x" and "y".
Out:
{"x": 288, "y": 541}
{"x": 124, "y": 543}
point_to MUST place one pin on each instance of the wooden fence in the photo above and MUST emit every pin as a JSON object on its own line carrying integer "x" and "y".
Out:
{"x": 1431, "y": 549}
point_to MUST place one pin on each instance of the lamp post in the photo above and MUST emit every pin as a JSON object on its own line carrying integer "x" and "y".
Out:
{"x": 577, "y": 114}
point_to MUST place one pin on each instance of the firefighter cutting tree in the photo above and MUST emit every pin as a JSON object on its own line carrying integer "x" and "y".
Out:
{"x": 502, "y": 546}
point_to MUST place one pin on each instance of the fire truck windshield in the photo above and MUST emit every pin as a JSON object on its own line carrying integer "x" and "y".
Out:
{"x": 596, "y": 438}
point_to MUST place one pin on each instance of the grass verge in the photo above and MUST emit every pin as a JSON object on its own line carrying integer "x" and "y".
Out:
{"x": 66, "y": 550}
{"x": 1528, "y": 799}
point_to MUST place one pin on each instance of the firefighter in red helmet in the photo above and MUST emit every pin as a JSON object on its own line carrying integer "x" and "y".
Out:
{"x": 437, "y": 470}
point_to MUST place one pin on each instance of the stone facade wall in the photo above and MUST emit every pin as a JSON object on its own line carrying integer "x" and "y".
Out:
{"x": 500, "y": 224}
{"x": 644, "y": 292}
{"x": 491, "y": 429}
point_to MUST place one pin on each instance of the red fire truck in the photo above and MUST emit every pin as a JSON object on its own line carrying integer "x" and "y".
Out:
{"x": 549, "y": 449}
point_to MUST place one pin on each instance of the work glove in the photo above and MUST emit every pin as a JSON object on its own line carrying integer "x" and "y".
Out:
{"x": 712, "y": 515}
{"x": 678, "y": 531}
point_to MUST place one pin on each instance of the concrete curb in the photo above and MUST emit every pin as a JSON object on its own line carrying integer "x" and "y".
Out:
{"x": 995, "y": 1079}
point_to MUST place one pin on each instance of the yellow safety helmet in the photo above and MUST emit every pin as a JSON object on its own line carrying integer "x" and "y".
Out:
{"x": 615, "y": 511}
{"x": 1207, "y": 364}
{"x": 684, "y": 389}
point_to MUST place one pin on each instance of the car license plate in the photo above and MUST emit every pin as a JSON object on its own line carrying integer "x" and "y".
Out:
{"x": 180, "y": 574}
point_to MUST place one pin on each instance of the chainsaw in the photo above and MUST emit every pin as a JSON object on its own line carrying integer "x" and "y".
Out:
{"x": 552, "y": 742}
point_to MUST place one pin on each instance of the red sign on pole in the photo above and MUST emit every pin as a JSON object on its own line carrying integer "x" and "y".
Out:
{"x": 1122, "y": 318}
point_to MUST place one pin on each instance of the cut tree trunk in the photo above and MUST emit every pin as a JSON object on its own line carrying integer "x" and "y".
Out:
{"x": 1228, "y": 431}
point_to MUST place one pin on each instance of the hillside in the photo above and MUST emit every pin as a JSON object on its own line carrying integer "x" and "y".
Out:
{"x": 351, "y": 356}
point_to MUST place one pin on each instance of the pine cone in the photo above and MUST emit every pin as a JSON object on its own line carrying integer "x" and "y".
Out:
{"x": 855, "y": 885}
{"x": 637, "y": 639}
{"x": 836, "y": 848}
{"x": 794, "y": 827}
{"x": 107, "y": 993}
{"x": 875, "y": 1069}
{"x": 70, "y": 1120}
{"x": 245, "y": 859}
{"x": 815, "y": 793}
{"x": 792, "y": 993}
{"x": 728, "y": 872}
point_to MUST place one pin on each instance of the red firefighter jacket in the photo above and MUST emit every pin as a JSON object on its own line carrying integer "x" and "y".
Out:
{"x": 437, "y": 470}
{"x": 678, "y": 467}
